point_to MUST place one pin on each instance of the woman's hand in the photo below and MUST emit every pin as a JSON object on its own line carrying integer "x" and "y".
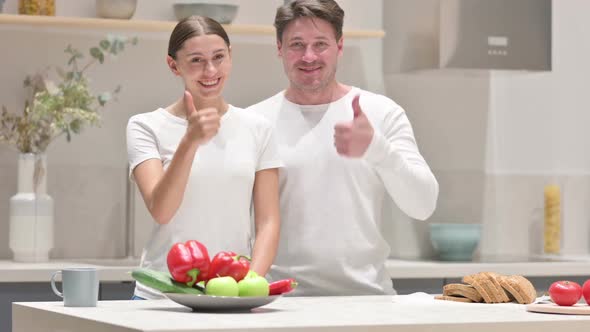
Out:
{"x": 202, "y": 124}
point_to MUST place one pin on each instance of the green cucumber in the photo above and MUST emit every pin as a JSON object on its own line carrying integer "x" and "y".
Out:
{"x": 162, "y": 281}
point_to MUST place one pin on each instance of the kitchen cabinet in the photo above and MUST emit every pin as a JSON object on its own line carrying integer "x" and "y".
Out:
{"x": 411, "y": 285}
{"x": 28, "y": 282}
{"x": 41, "y": 291}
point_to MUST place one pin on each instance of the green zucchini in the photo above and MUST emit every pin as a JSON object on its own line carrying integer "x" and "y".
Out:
{"x": 162, "y": 281}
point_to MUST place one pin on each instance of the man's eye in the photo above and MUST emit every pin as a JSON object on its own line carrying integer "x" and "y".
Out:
{"x": 321, "y": 45}
{"x": 219, "y": 57}
{"x": 297, "y": 45}
{"x": 196, "y": 60}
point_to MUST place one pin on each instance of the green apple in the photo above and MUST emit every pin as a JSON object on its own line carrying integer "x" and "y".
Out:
{"x": 253, "y": 286}
{"x": 251, "y": 274}
{"x": 222, "y": 286}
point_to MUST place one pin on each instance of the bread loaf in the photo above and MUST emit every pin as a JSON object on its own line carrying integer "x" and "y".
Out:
{"x": 452, "y": 298}
{"x": 462, "y": 290}
{"x": 520, "y": 288}
{"x": 490, "y": 287}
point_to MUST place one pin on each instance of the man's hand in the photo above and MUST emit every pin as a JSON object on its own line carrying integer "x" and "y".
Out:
{"x": 352, "y": 139}
{"x": 202, "y": 124}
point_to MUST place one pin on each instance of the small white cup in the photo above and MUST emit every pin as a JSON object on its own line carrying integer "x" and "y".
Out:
{"x": 80, "y": 286}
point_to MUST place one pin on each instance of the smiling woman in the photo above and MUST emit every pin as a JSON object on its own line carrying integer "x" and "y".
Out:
{"x": 201, "y": 163}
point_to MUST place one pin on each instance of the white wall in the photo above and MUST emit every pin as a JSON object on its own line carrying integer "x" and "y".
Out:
{"x": 87, "y": 177}
{"x": 553, "y": 106}
{"x": 541, "y": 131}
{"x": 494, "y": 139}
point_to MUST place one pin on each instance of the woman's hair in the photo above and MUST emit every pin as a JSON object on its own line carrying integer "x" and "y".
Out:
{"x": 327, "y": 10}
{"x": 193, "y": 26}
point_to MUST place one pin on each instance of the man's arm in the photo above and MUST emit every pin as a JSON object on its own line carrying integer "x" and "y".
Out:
{"x": 393, "y": 152}
{"x": 405, "y": 174}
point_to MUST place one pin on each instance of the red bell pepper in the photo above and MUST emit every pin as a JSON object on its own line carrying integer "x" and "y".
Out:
{"x": 282, "y": 286}
{"x": 188, "y": 262}
{"x": 228, "y": 263}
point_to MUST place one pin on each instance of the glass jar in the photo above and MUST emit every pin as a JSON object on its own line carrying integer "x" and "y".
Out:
{"x": 36, "y": 7}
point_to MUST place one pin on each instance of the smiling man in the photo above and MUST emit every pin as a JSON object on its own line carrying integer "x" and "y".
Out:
{"x": 344, "y": 150}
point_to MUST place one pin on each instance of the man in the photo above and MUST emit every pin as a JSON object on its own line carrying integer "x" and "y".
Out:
{"x": 343, "y": 149}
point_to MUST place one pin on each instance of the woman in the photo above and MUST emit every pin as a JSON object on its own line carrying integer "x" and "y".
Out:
{"x": 200, "y": 163}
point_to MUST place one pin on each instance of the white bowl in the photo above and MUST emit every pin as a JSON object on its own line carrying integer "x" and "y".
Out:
{"x": 222, "y": 13}
{"x": 120, "y": 9}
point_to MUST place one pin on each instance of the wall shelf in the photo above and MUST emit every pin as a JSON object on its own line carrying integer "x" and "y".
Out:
{"x": 147, "y": 25}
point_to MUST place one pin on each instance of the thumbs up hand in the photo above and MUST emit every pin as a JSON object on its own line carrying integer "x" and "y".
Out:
{"x": 202, "y": 124}
{"x": 352, "y": 138}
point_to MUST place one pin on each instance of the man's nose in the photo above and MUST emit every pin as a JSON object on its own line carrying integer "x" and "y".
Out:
{"x": 309, "y": 54}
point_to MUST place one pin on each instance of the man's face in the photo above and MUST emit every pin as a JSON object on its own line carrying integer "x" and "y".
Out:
{"x": 310, "y": 52}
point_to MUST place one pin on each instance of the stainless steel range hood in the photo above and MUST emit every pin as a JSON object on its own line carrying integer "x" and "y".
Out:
{"x": 495, "y": 34}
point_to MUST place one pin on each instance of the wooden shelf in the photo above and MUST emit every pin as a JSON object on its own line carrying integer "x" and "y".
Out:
{"x": 147, "y": 25}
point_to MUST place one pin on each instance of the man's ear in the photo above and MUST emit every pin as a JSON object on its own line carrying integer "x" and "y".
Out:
{"x": 172, "y": 65}
{"x": 279, "y": 46}
{"x": 340, "y": 45}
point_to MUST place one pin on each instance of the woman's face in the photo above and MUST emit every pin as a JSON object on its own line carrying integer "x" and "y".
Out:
{"x": 204, "y": 63}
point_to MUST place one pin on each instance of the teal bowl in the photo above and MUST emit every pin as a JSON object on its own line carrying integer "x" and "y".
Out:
{"x": 455, "y": 242}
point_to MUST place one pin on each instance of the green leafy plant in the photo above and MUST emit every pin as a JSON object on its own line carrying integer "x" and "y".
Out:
{"x": 64, "y": 108}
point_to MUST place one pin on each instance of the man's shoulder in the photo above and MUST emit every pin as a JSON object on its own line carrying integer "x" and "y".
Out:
{"x": 267, "y": 105}
{"x": 251, "y": 118}
{"x": 378, "y": 101}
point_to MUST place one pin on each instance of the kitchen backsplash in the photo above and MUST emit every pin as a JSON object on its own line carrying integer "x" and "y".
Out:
{"x": 510, "y": 208}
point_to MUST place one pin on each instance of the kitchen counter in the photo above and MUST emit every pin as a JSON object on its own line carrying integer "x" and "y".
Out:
{"x": 550, "y": 267}
{"x": 109, "y": 269}
{"x": 416, "y": 312}
{"x": 118, "y": 269}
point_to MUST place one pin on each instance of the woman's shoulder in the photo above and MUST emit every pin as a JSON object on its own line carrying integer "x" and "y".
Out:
{"x": 156, "y": 119}
{"x": 147, "y": 117}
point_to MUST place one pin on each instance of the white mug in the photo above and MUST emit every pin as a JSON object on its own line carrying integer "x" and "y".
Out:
{"x": 80, "y": 286}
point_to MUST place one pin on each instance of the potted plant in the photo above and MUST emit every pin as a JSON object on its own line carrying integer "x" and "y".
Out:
{"x": 53, "y": 108}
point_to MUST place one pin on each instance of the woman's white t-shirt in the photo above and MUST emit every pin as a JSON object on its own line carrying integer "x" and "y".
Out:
{"x": 216, "y": 206}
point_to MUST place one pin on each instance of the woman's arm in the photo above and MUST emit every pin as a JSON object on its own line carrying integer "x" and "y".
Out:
{"x": 266, "y": 219}
{"x": 163, "y": 191}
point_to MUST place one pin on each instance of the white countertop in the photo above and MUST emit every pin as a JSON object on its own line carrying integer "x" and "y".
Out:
{"x": 110, "y": 270}
{"x": 405, "y": 269}
{"x": 113, "y": 270}
{"x": 416, "y": 312}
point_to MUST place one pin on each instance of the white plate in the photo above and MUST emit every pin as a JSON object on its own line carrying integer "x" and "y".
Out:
{"x": 220, "y": 303}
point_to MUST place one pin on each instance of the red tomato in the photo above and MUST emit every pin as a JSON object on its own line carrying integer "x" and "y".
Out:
{"x": 586, "y": 291}
{"x": 565, "y": 293}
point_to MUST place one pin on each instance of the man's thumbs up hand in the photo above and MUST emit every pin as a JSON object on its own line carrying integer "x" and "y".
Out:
{"x": 352, "y": 138}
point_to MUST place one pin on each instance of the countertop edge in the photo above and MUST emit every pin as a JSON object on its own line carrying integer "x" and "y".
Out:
{"x": 113, "y": 270}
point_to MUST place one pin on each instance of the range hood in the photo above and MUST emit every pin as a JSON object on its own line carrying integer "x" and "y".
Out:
{"x": 495, "y": 34}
